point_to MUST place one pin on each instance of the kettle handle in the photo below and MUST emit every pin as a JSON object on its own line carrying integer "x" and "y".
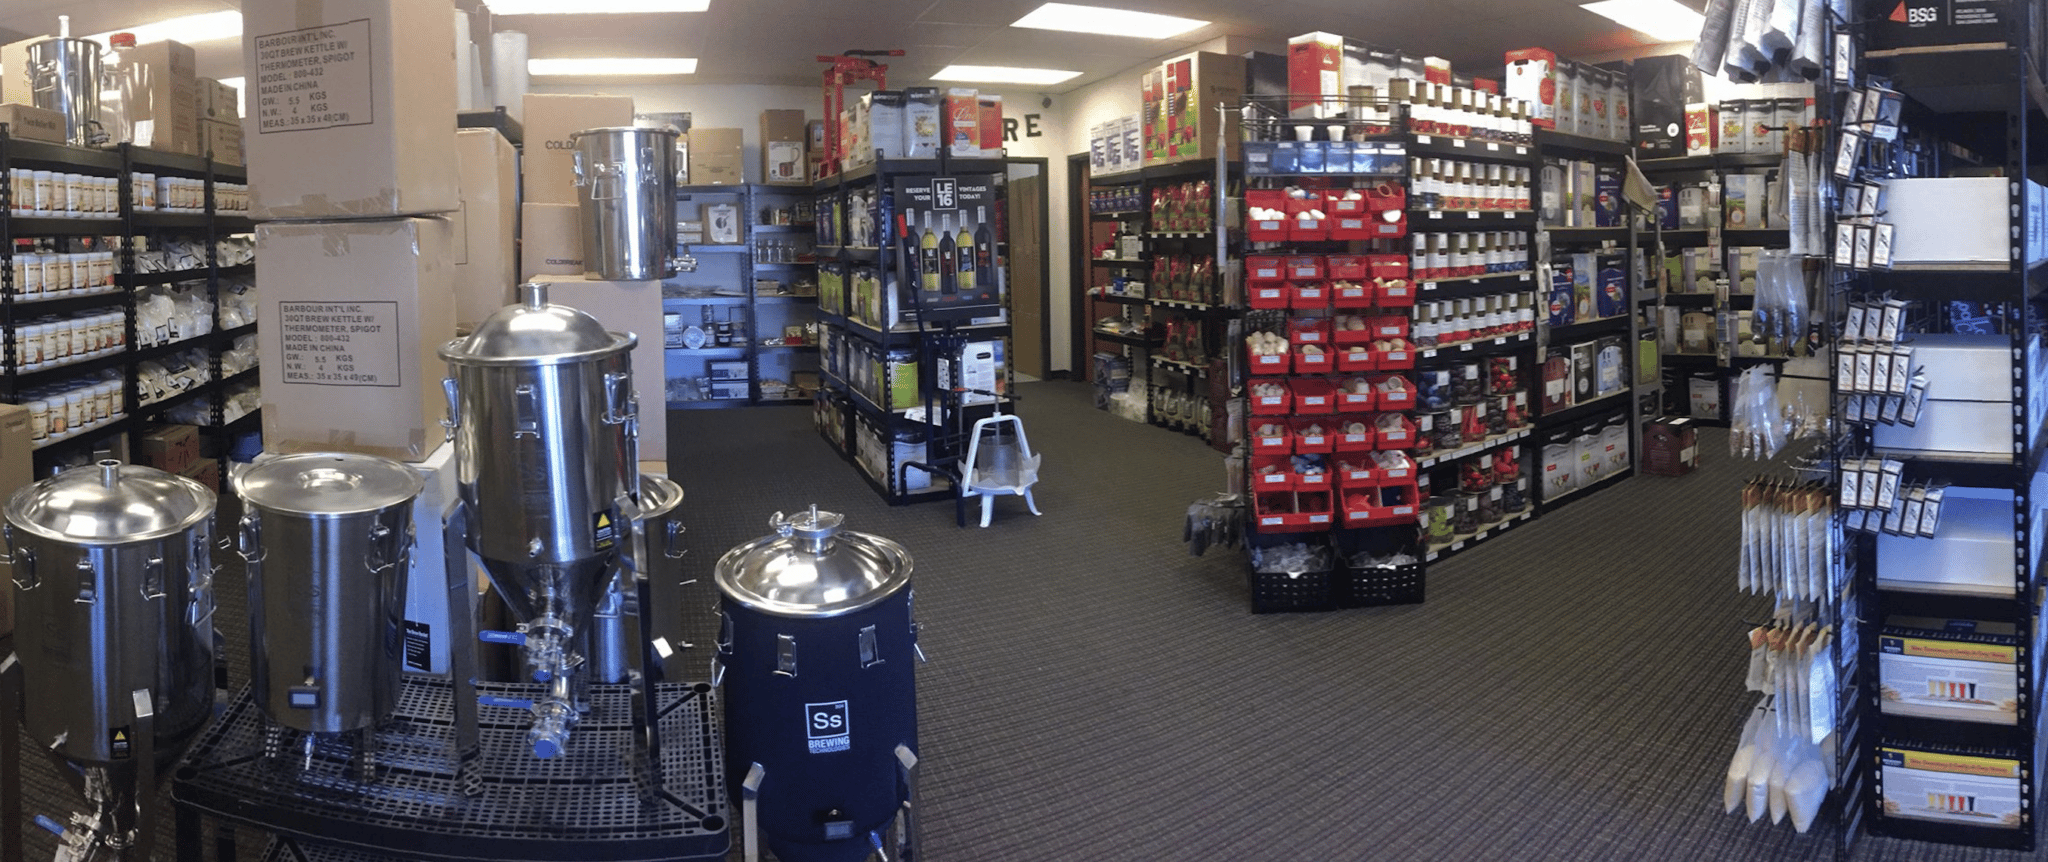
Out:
{"x": 454, "y": 417}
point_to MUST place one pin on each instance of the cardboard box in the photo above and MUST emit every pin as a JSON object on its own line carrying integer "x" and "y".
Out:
{"x": 170, "y": 448}
{"x": 883, "y": 130}
{"x": 1315, "y": 75}
{"x": 166, "y": 110}
{"x": 17, "y": 470}
{"x": 32, "y": 123}
{"x": 631, "y": 306}
{"x": 354, "y": 109}
{"x": 991, "y": 125}
{"x": 352, "y": 315}
{"x": 1152, "y": 111}
{"x": 13, "y": 78}
{"x": 1532, "y": 77}
{"x": 549, "y": 169}
{"x": 1702, "y": 128}
{"x": 1194, "y": 85}
{"x": 715, "y": 158}
{"x": 222, "y": 139}
{"x": 963, "y": 122}
{"x": 485, "y": 258}
{"x": 782, "y": 149}
{"x": 550, "y": 240}
{"x": 218, "y": 101}
{"x": 1670, "y": 447}
{"x": 924, "y": 110}
{"x": 205, "y": 471}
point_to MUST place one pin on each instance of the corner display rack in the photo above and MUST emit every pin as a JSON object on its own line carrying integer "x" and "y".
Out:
{"x": 762, "y": 283}
{"x": 904, "y": 379}
{"x": 2004, "y": 759}
{"x": 122, "y": 164}
{"x": 1170, "y": 294}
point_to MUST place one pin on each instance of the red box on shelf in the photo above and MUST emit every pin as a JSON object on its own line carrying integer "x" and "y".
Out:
{"x": 1357, "y": 357}
{"x": 1264, "y": 268}
{"x": 1303, "y": 267}
{"x": 1306, "y": 202}
{"x": 1394, "y": 399}
{"x": 1354, "y": 442}
{"x": 1350, "y": 401}
{"x": 1341, "y": 336}
{"x": 1388, "y": 325}
{"x": 1304, "y": 229}
{"x": 1278, "y": 404}
{"x": 1315, "y": 509}
{"x": 1313, "y": 444}
{"x": 1395, "y": 438}
{"x": 1266, "y": 230}
{"x": 1313, "y": 396}
{"x": 1271, "y": 199}
{"x": 1313, "y": 481}
{"x": 1276, "y": 440}
{"x": 1396, "y": 293}
{"x": 1272, "y": 473}
{"x": 1397, "y": 360}
{"x": 1268, "y": 294}
{"x": 1276, "y": 512}
{"x": 1315, "y": 363}
{"x": 1382, "y": 505}
{"x": 1353, "y": 227}
{"x": 1360, "y": 475}
{"x": 1352, "y": 294}
{"x": 1350, "y": 267}
{"x": 1273, "y": 363}
{"x": 1308, "y": 330}
{"x": 1308, "y": 294}
{"x": 1387, "y": 266}
{"x": 1392, "y": 224}
{"x": 1405, "y": 472}
{"x": 1338, "y": 205}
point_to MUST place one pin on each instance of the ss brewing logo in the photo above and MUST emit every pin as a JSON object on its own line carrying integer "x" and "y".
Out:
{"x": 827, "y": 726}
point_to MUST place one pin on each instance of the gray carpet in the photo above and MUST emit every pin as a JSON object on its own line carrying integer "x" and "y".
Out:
{"x": 1570, "y": 691}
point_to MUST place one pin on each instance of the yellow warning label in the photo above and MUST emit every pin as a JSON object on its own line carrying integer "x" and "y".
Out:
{"x": 603, "y": 520}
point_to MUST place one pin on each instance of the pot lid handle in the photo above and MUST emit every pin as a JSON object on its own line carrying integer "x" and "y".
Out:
{"x": 534, "y": 294}
{"x": 814, "y": 529}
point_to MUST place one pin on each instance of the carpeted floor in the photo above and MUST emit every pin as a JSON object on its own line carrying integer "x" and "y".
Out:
{"x": 1570, "y": 691}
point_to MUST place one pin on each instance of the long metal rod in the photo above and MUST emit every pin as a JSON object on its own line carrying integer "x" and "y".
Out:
{"x": 141, "y": 848}
{"x": 462, "y": 648}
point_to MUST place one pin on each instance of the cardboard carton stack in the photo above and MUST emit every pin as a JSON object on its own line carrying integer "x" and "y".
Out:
{"x": 166, "y": 107}
{"x": 357, "y": 289}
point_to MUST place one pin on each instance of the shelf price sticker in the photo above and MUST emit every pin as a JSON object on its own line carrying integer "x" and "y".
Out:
{"x": 354, "y": 343}
{"x": 314, "y": 78}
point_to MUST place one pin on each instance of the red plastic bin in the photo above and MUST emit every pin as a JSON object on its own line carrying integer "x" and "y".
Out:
{"x": 1387, "y": 266}
{"x": 1355, "y": 442}
{"x": 1381, "y": 506}
{"x": 1308, "y": 294}
{"x": 1393, "y": 399}
{"x": 1272, "y": 473}
{"x": 1395, "y": 293}
{"x": 1353, "y": 294}
{"x": 1301, "y": 229}
{"x": 1309, "y": 200}
{"x": 1350, "y": 267}
{"x": 1349, "y": 401}
{"x": 1397, "y": 360}
{"x": 1357, "y": 357}
{"x": 1280, "y": 404}
{"x": 1278, "y": 363}
{"x": 1313, "y": 396}
{"x": 1341, "y": 336}
{"x": 1302, "y": 267}
{"x": 1309, "y": 330}
{"x": 1315, "y": 363}
{"x": 1279, "y": 442}
{"x": 1313, "y": 444}
{"x": 1353, "y": 227}
{"x": 1264, "y": 267}
{"x": 1268, "y": 294}
{"x": 1395, "y": 438}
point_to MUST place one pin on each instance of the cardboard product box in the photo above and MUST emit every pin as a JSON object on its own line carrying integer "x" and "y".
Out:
{"x": 13, "y": 81}
{"x": 223, "y": 139}
{"x": 1557, "y": 382}
{"x": 991, "y": 125}
{"x": 1704, "y": 393}
{"x": 1585, "y": 189}
{"x": 924, "y": 111}
{"x": 1661, "y": 89}
{"x": 963, "y": 122}
{"x": 550, "y": 240}
{"x": 548, "y": 171}
{"x": 1607, "y": 203}
{"x": 1734, "y": 134}
{"x": 486, "y": 258}
{"x": 1610, "y": 286}
{"x": 1152, "y": 113}
{"x": 32, "y": 123}
{"x": 1585, "y": 371}
{"x": 883, "y": 125}
{"x": 782, "y": 149}
{"x": 1194, "y": 85}
{"x": 631, "y": 306}
{"x": 169, "y": 102}
{"x": 1985, "y": 792}
{"x": 1670, "y": 447}
{"x": 715, "y": 157}
{"x": 1585, "y": 278}
{"x": 222, "y": 101}
{"x": 354, "y": 109}
{"x": 1702, "y": 128}
{"x": 1610, "y": 365}
{"x": 170, "y": 448}
{"x": 1315, "y": 75}
{"x": 17, "y": 469}
{"x": 205, "y": 471}
{"x": 352, "y": 315}
{"x": 1532, "y": 77}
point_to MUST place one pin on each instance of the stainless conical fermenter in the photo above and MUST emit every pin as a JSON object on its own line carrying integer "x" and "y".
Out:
{"x": 542, "y": 412}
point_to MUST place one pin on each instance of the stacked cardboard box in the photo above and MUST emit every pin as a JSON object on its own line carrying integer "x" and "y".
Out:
{"x": 357, "y": 292}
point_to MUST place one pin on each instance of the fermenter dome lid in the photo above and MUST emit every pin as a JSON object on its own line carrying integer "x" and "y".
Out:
{"x": 536, "y": 332}
{"x": 328, "y": 483}
{"x": 811, "y": 568}
{"x": 110, "y": 503}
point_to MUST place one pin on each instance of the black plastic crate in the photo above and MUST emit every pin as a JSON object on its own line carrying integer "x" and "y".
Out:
{"x": 1364, "y": 588}
{"x": 1288, "y": 592}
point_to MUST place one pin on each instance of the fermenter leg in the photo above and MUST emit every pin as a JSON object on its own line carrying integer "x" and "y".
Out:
{"x": 362, "y": 761}
{"x": 10, "y": 758}
{"x": 907, "y": 839}
{"x": 142, "y": 848}
{"x": 750, "y": 813}
{"x": 462, "y": 646}
{"x": 650, "y": 657}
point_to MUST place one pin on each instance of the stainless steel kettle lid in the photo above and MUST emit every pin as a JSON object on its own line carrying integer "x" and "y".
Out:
{"x": 663, "y": 131}
{"x": 110, "y": 503}
{"x": 328, "y": 483}
{"x": 536, "y": 332}
{"x": 811, "y": 568}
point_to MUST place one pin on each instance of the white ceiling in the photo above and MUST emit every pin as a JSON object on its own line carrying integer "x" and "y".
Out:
{"x": 776, "y": 41}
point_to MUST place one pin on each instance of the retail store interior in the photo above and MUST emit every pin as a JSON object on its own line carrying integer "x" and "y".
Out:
{"x": 649, "y": 430}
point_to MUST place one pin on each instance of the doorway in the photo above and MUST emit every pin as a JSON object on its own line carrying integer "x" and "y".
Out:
{"x": 1030, "y": 295}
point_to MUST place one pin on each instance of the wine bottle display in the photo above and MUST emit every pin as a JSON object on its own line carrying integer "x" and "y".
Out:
{"x": 968, "y": 266}
{"x": 984, "y": 249}
{"x": 911, "y": 260}
{"x": 928, "y": 265}
{"x": 949, "y": 266}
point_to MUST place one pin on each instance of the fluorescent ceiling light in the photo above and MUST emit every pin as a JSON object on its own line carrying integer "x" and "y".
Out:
{"x": 1107, "y": 22}
{"x": 593, "y": 7}
{"x": 1662, "y": 20}
{"x": 191, "y": 29}
{"x": 1003, "y": 75}
{"x": 613, "y": 66}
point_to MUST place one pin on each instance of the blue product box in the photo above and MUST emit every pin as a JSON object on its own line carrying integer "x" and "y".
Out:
{"x": 1610, "y": 295}
{"x": 1286, "y": 157}
{"x": 1562, "y": 310}
{"x": 1313, "y": 154}
{"x": 1607, "y": 196}
{"x": 1258, "y": 157}
{"x": 1337, "y": 157}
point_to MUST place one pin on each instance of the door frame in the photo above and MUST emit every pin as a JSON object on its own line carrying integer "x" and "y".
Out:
{"x": 1044, "y": 256}
{"x": 1078, "y": 282}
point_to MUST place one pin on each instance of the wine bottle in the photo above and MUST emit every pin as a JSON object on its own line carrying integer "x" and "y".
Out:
{"x": 985, "y": 250}
{"x": 968, "y": 269}
{"x": 949, "y": 264}
{"x": 911, "y": 260}
{"x": 928, "y": 266}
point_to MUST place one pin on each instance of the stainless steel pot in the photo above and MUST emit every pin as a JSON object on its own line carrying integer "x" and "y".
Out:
{"x": 64, "y": 76}
{"x": 542, "y": 412}
{"x": 657, "y": 553}
{"x": 114, "y": 584}
{"x": 816, "y": 653}
{"x": 328, "y": 542}
{"x": 626, "y": 184}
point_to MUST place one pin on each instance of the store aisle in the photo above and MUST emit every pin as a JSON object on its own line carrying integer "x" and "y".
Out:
{"x": 1570, "y": 691}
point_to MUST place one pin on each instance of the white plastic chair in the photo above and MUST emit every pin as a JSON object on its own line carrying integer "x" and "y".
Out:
{"x": 1005, "y": 466}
